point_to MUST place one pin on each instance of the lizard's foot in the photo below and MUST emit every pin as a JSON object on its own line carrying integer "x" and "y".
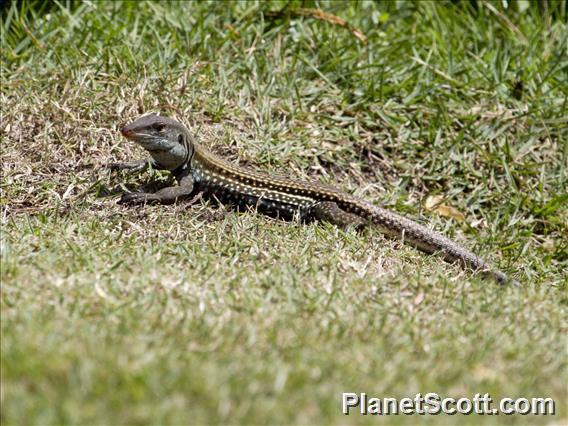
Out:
{"x": 133, "y": 166}
{"x": 137, "y": 198}
{"x": 117, "y": 166}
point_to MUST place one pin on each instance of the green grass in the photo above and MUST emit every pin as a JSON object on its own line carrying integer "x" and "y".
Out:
{"x": 190, "y": 314}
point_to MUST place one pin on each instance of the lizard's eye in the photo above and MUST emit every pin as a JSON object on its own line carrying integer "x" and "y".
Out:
{"x": 159, "y": 126}
{"x": 180, "y": 138}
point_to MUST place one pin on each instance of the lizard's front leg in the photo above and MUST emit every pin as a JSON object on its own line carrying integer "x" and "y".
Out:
{"x": 168, "y": 195}
{"x": 330, "y": 212}
{"x": 135, "y": 166}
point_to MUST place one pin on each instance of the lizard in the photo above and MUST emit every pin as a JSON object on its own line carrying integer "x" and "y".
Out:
{"x": 197, "y": 171}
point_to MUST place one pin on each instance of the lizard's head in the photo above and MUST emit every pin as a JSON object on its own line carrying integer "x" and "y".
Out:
{"x": 168, "y": 142}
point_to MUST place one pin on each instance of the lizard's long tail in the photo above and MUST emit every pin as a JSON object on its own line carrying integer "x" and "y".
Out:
{"x": 429, "y": 241}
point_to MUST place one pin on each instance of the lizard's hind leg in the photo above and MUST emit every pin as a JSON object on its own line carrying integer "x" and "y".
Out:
{"x": 329, "y": 211}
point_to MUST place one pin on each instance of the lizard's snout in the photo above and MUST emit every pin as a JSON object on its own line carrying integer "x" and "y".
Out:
{"x": 126, "y": 131}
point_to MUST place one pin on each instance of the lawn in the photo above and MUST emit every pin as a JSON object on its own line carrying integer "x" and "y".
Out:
{"x": 452, "y": 113}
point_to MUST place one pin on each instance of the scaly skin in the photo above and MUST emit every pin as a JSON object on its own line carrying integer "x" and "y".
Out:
{"x": 173, "y": 148}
